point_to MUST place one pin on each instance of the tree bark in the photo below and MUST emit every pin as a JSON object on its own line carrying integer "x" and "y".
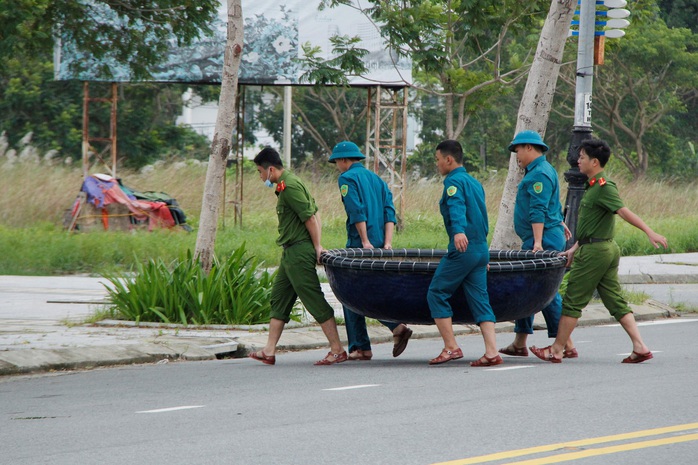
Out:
{"x": 534, "y": 109}
{"x": 225, "y": 122}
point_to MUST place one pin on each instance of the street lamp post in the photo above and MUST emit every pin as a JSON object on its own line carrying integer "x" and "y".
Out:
{"x": 582, "y": 102}
{"x": 582, "y": 114}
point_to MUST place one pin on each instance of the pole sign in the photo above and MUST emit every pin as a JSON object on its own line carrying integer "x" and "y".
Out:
{"x": 611, "y": 19}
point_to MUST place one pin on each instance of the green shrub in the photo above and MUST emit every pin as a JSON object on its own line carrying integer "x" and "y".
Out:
{"x": 234, "y": 292}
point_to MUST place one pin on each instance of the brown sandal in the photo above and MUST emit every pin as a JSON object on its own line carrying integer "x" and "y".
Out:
{"x": 638, "y": 358}
{"x": 572, "y": 353}
{"x": 486, "y": 361}
{"x": 514, "y": 351}
{"x": 400, "y": 341}
{"x": 359, "y": 354}
{"x": 447, "y": 356}
{"x": 264, "y": 358}
{"x": 333, "y": 358}
{"x": 540, "y": 353}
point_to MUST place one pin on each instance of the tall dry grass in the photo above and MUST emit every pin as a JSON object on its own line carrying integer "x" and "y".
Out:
{"x": 31, "y": 194}
{"x": 35, "y": 198}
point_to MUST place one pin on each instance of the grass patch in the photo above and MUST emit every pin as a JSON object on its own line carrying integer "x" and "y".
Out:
{"x": 685, "y": 308}
{"x": 33, "y": 241}
{"x": 635, "y": 297}
{"x": 234, "y": 292}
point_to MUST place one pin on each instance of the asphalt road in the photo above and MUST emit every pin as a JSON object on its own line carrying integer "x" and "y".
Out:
{"x": 386, "y": 411}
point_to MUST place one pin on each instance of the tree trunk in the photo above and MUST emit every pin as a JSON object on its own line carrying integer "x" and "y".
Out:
{"x": 225, "y": 122}
{"x": 534, "y": 109}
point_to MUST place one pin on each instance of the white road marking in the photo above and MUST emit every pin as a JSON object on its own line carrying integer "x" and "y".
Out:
{"x": 509, "y": 368}
{"x": 171, "y": 409}
{"x": 666, "y": 322}
{"x": 358, "y": 386}
{"x": 657, "y": 322}
{"x": 654, "y": 352}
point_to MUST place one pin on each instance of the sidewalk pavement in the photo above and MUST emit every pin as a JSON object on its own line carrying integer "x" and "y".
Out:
{"x": 42, "y": 329}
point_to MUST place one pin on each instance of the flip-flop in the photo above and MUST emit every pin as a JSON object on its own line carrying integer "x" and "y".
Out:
{"x": 639, "y": 358}
{"x": 514, "y": 351}
{"x": 264, "y": 358}
{"x": 540, "y": 353}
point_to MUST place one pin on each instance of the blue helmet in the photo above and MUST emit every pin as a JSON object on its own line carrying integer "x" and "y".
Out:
{"x": 345, "y": 149}
{"x": 528, "y": 137}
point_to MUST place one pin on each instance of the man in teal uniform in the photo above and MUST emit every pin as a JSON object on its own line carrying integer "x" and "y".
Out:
{"x": 538, "y": 221}
{"x": 464, "y": 268}
{"x": 299, "y": 235}
{"x": 368, "y": 203}
{"x": 595, "y": 256}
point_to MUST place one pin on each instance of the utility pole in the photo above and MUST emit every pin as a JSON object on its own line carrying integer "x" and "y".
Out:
{"x": 589, "y": 53}
{"x": 286, "y": 146}
{"x": 582, "y": 114}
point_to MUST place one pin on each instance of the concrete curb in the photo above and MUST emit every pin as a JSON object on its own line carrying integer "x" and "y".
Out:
{"x": 649, "y": 278}
{"x": 35, "y": 361}
{"x": 176, "y": 348}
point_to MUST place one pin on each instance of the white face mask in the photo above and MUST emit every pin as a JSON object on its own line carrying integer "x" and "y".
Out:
{"x": 268, "y": 183}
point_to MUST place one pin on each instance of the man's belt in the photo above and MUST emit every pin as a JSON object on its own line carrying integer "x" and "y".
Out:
{"x": 291, "y": 244}
{"x": 591, "y": 240}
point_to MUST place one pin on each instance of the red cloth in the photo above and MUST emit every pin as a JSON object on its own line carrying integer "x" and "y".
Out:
{"x": 157, "y": 213}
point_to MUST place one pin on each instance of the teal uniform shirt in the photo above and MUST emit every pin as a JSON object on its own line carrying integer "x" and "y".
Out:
{"x": 461, "y": 190}
{"x": 597, "y": 208}
{"x": 463, "y": 209}
{"x": 366, "y": 197}
{"x": 294, "y": 206}
{"x": 538, "y": 201}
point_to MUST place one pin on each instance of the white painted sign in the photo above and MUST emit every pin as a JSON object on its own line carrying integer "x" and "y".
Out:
{"x": 274, "y": 32}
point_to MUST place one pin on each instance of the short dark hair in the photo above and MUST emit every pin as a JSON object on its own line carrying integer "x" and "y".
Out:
{"x": 268, "y": 157}
{"x": 596, "y": 148}
{"x": 453, "y": 148}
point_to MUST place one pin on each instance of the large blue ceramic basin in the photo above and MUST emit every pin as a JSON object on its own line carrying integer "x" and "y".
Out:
{"x": 392, "y": 285}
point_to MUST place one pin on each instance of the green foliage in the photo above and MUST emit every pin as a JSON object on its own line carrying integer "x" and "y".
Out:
{"x": 458, "y": 48}
{"x": 644, "y": 99}
{"x": 649, "y": 77}
{"x": 139, "y": 34}
{"x": 347, "y": 61}
{"x": 680, "y": 13}
{"x": 234, "y": 292}
{"x": 31, "y": 101}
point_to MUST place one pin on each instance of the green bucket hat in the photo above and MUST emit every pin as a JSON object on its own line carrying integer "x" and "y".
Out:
{"x": 528, "y": 137}
{"x": 345, "y": 149}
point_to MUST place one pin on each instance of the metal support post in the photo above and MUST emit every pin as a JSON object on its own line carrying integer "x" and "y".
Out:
{"x": 582, "y": 114}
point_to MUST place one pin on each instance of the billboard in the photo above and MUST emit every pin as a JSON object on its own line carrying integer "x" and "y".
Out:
{"x": 274, "y": 31}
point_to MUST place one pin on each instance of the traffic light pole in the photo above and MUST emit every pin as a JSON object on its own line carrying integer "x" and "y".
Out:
{"x": 582, "y": 114}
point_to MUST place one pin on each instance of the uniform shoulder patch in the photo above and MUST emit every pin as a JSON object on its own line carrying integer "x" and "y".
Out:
{"x": 538, "y": 187}
{"x": 451, "y": 191}
{"x": 344, "y": 190}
